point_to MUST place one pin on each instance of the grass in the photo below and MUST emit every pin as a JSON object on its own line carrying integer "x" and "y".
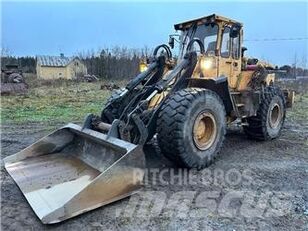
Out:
{"x": 58, "y": 103}
{"x": 68, "y": 101}
{"x": 299, "y": 111}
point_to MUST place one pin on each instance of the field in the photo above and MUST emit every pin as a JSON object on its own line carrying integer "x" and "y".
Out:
{"x": 54, "y": 103}
{"x": 278, "y": 169}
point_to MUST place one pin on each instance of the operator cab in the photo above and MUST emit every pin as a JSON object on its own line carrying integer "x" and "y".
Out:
{"x": 222, "y": 39}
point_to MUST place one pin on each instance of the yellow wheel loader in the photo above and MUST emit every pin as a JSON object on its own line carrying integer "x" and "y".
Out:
{"x": 187, "y": 102}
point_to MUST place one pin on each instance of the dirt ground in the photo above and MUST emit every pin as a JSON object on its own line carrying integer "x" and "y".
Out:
{"x": 278, "y": 168}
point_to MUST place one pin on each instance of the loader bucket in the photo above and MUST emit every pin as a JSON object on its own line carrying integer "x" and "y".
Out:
{"x": 74, "y": 170}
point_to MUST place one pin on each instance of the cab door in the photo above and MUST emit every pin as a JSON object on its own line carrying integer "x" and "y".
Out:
{"x": 236, "y": 59}
{"x": 228, "y": 66}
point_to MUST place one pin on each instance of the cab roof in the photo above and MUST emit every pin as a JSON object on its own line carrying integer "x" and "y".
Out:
{"x": 203, "y": 20}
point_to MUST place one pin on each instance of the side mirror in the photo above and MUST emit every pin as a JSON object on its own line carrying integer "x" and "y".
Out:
{"x": 171, "y": 42}
{"x": 235, "y": 30}
{"x": 243, "y": 51}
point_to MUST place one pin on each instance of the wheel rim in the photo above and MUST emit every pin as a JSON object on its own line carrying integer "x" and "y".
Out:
{"x": 204, "y": 130}
{"x": 275, "y": 116}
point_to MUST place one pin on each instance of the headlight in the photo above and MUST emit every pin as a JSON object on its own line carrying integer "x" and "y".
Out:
{"x": 207, "y": 63}
{"x": 143, "y": 67}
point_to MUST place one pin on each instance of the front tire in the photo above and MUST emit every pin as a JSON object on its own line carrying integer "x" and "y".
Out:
{"x": 191, "y": 127}
{"x": 268, "y": 122}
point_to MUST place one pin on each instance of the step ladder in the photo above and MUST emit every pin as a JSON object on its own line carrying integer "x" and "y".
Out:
{"x": 238, "y": 104}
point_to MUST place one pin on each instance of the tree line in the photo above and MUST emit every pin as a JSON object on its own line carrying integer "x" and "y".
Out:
{"x": 292, "y": 71}
{"x": 27, "y": 64}
{"x": 117, "y": 63}
{"x": 114, "y": 63}
{"x": 108, "y": 63}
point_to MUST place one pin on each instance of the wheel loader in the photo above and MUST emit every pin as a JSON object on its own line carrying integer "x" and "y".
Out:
{"x": 186, "y": 102}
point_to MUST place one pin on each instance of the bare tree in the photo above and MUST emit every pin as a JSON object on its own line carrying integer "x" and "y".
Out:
{"x": 5, "y": 52}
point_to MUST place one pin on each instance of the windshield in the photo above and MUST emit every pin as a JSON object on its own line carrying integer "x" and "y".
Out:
{"x": 206, "y": 33}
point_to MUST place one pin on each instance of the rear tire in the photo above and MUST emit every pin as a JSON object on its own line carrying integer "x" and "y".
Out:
{"x": 268, "y": 122}
{"x": 191, "y": 127}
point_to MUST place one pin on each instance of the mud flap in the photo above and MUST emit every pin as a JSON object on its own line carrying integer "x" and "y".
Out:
{"x": 74, "y": 170}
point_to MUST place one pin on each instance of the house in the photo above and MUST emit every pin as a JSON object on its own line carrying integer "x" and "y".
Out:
{"x": 56, "y": 67}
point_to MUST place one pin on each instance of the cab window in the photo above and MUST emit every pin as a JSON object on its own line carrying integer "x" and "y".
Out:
{"x": 210, "y": 38}
{"x": 225, "y": 43}
{"x": 207, "y": 34}
{"x": 236, "y": 47}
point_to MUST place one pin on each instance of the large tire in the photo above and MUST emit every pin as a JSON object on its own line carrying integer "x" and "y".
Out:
{"x": 177, "y": 133}
{"x": 268, "y": 122}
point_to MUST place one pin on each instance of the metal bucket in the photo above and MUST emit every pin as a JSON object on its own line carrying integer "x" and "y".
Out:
{"x": 74, "y": 170}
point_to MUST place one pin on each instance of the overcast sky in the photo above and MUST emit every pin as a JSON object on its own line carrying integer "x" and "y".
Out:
{"x": 31, "y": 28}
